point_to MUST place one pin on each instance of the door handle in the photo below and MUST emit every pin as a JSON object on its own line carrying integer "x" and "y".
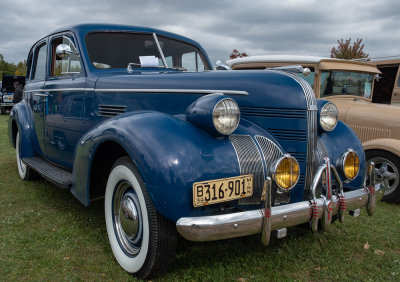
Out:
{"x": 41, "y": 95}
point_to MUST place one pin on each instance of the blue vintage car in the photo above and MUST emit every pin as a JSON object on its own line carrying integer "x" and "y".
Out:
{"x": 138, "y": 117}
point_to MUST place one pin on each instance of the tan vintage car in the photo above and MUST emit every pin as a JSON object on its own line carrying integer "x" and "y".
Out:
{"x": 349, "y": 84}
{"x": 387, "y": 89}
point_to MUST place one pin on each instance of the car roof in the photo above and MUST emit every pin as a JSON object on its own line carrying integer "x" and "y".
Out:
{"x": 299, "y": 59}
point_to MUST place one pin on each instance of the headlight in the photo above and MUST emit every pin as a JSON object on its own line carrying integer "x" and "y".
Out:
{"x": 215, "y": 113}
{"x": 285, "y": 172}
{"x": 349, "y": 163}
{"x": 328, "y": 117}
{"x": 226, "y": 116}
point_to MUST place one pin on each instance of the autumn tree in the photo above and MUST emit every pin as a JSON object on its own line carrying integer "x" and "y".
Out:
{"x": 236, "y": 54}
{"x": 347, "y": 51}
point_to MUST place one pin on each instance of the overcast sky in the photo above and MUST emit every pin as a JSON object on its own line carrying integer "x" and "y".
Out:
{"x": 307, "y": 27}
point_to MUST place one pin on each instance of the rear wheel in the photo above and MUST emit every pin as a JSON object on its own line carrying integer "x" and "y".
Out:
{"x": 387, "y": 172}
{"x": 24, "y": 171}
{"x": 142, "y": 240}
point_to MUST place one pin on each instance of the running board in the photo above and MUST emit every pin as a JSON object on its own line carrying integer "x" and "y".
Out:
{"x": 52, "y": 173}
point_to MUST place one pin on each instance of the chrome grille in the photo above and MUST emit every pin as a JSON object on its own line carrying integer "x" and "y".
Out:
{"x": 311, "y": 164}
{"x": 250, "y": 163}
{"x": 110, "y": 110}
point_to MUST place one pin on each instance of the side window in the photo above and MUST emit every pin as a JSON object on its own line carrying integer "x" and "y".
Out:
{"x": 64, "y": 66}
{"x": 39, "y": 71}
{"x": 192, "y": 61}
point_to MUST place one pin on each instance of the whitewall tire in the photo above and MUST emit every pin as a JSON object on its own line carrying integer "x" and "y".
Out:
{"x": 143, "y": 242}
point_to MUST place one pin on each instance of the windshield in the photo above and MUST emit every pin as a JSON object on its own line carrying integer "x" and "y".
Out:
{"x": 112, "y": 50}
{"x": 346, "y": 83}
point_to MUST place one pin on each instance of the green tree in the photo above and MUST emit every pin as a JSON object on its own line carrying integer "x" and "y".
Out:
{"x": 347, "y": 51}
{"x": 10, "y": 68}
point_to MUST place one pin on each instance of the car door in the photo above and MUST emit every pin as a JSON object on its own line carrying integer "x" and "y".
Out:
{"x": 69, "y": 106}
{"x": 34, "y": 90}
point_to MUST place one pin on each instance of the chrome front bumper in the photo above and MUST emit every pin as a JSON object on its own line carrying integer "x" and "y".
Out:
{"x": 266, "y": 219}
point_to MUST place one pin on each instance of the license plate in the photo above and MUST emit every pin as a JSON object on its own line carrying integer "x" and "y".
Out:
{"x": 222, "y": 190}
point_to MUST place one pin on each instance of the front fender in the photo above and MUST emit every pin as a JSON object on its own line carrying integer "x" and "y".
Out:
{"x": 170, "y": 153}
{"x": 336, "y": 143}
{"x": 390, "y": 145}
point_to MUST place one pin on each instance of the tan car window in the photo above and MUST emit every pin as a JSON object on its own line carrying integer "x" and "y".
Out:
{"x": 346, "y": 83}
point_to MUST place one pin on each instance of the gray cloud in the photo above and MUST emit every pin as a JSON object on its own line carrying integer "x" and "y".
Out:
{"x": 308, "y": 27}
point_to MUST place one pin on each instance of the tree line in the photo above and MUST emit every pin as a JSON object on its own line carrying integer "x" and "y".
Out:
{"x": 11, "y": 68}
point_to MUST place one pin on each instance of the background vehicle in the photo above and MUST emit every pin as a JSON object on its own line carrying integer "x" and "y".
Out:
{"x": 7, "y": 91}
{"x": 135, "y": 115}
{"x": 350, "y": 84}
{"x": 387, "y": 89}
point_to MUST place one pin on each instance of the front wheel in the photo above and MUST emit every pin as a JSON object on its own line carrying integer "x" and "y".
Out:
{"x": 142, "y": 240}
{"x": 387, "y": 172}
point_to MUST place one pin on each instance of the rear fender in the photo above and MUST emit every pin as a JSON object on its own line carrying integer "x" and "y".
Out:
{"x": 21, "y": 120}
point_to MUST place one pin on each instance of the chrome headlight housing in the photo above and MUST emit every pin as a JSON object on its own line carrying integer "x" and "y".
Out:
{"x": 226, "y": 116}
{"x": 349, "y": 164}
{"x": 215, "y": 113}
{"x": 328, "y": 117}
{"x": 285, "y": 172}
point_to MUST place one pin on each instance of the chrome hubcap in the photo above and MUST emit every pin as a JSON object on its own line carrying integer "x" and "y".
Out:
{"x": 128, "y": 223}
{"x": 386, "y": 173}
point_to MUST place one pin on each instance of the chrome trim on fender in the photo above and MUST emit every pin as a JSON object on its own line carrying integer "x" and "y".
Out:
{"x": 176, "y": 91}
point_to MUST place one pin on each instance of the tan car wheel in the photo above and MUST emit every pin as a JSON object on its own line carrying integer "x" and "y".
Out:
{"x": 387, "y": 168}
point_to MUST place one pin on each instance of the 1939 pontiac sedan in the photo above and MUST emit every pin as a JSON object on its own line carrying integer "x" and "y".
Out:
{"x": 137, "y": 116}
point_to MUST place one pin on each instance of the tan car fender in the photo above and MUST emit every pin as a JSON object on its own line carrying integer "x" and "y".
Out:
{"x": 386, "y": 144}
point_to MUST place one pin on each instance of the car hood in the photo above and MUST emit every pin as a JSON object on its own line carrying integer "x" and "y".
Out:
{"x": 264, "y": 88}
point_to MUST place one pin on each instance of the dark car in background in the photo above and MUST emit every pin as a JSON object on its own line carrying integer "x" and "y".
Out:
{"x": 137, "y": 117}
{"x": 7, "y": 91}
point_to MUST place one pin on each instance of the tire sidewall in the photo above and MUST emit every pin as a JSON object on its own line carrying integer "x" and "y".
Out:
{"x": 22, "y": 168}
{"x": 124, "y": 171}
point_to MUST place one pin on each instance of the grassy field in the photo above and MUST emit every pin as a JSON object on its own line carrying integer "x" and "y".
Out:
{"x": 46, "y": 234}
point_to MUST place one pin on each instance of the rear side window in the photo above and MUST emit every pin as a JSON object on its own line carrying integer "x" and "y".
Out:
{"x": 39, "y": 70}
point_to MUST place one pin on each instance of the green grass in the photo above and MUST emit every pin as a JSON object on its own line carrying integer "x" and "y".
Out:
{"x": 46, "y": 234}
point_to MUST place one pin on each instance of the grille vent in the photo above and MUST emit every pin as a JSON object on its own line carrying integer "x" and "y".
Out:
{"x": 111, "y": 110}
{"x": 273, "y": 112}
{"x": 366, "y": 133}
{"x": 250, "y": 163}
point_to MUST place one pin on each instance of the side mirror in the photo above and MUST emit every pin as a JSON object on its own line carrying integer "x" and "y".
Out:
{"x": 221, "y": 66}
{"x": 377, "y": 77}
{"x": 64, "y": 51}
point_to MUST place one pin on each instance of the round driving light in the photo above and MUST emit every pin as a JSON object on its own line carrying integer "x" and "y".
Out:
{"x": 226, "y": 116}
{"x": 350, "y": 164}
{"x": 286, "y": 172}
{"x": 328, "y": 117}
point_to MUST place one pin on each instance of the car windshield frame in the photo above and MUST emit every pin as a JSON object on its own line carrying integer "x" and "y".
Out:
{"x": 134, "y": 50}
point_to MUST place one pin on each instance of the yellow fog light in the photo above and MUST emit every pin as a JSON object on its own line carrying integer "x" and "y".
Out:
{"x": 350, "y": 164}
{"x": 285, "y": 172}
